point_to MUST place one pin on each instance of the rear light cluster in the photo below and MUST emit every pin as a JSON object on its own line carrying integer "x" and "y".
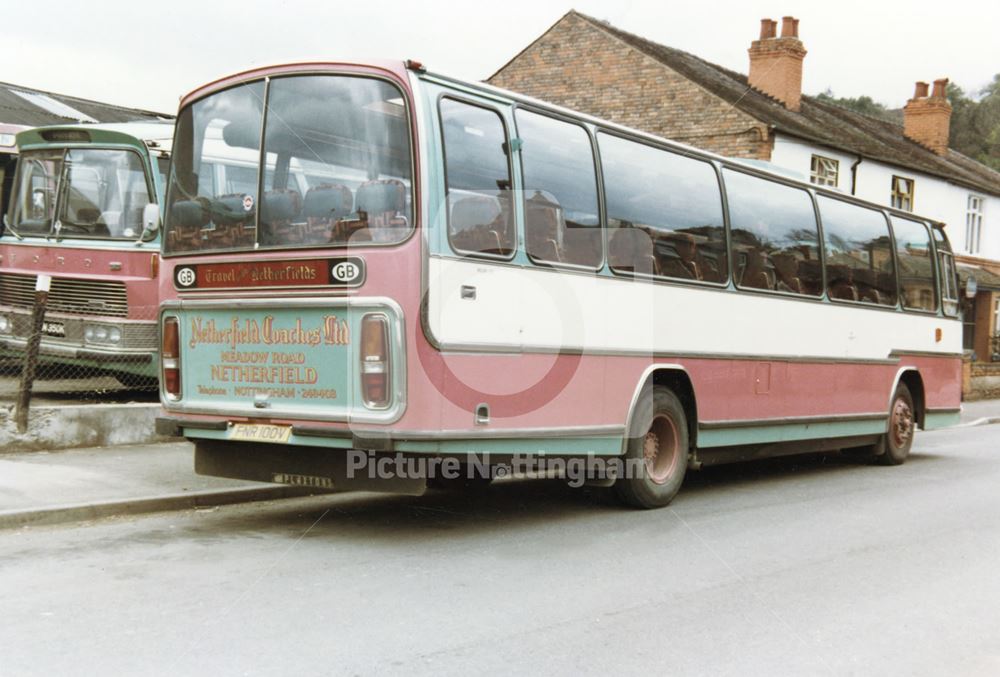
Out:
{"x": 171, "y": 356}
{"x": 375, "y": 363}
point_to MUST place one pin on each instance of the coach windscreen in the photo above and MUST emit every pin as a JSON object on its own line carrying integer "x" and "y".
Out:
{"x": 336, "y": 157}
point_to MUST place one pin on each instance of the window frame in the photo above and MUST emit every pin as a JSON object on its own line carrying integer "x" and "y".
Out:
{"x": 974, "y": 222}
{"x": 145, "y": 164}
{"x": 892, "y": 251}
{"x": 510, "y": 175}
{"x": 410, "y": 114}
{"x": 598, "y": 188}
{"x": 817, "y": 178}
{"x": 943, "y": 250}
{"x": 821, "y": 250}
{"x": 952, "y": 282}
{"x": 722, "y": 206}
{"x": 931, "y": 255}
{"x": 896, "y": 197}
{"x": 15, "y": 206}
{"x": 62, "y": 182}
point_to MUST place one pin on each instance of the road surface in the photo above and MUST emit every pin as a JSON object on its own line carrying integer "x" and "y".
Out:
{"x": 811, "y": 566}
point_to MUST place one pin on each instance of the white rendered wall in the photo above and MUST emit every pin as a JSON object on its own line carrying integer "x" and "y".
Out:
{"x": 933, "y": 197}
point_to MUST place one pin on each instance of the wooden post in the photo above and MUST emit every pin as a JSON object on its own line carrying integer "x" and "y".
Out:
{"x": 31, "y": 352}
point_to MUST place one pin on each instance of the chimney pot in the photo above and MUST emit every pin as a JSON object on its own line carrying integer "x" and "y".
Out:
{"x": 789, "y": 29}
{"x": 776, "y": 64}
{"x": 926, "y": 119}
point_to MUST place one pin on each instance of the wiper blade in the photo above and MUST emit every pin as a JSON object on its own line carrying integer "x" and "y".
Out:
{"x": 7, "y": 226}
{"x": 84, "y": 228}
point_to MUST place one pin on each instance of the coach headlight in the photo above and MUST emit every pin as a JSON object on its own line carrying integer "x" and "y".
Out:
{"x": 107, "y": 334}
{"x": 5, "y": 325}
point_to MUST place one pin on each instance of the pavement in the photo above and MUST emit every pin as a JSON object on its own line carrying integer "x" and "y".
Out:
{"x": 980, "y": 412}
{"x": 40, "y": 488}
{"x": 66, "y": 413}
{"x": 53, "y": 487}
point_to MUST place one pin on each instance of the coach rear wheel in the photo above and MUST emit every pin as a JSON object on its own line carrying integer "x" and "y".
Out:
{"x": 902, "y": 424}
{"x": 657, "y": 454}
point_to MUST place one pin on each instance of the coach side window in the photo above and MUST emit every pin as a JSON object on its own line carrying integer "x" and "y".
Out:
{"x": 916, "y": 267}
{"x": 774, "y": 235}
{"x": 664, "y": 213}
{"x": 947, "y": 277}
{"x": 560, "y": 192}
{"x": 859, "y": 263}
{"x": 477, "y": 180}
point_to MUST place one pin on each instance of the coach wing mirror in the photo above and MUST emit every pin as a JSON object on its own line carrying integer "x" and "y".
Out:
{"x": 971, "y": 287}
{"x": 150, "y": 221}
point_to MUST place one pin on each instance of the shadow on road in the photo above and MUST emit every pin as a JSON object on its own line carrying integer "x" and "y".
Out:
{"x": 521, "y": 505}
{"x": 772, "y": 470}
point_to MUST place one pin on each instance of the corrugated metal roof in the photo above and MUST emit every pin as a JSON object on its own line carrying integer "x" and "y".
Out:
{"x": 35, "y": 108}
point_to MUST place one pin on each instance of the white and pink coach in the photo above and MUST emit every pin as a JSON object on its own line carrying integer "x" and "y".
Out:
{"x": 373, "y": 257}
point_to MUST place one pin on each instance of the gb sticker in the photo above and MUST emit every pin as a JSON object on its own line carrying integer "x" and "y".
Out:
{"x": 347, "y": 271}
{"x": 185, "y": 276}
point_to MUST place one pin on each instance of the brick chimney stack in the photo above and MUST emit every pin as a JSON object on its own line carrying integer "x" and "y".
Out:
{"x": 776, "y": 62}
{"x": 926, "y": 118}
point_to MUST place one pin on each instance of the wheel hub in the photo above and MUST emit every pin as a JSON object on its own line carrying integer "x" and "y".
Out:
{"x": 902, "y": 423}
{"x": 660, "y": 449}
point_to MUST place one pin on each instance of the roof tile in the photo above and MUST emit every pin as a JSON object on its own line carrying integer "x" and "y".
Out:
{"x": 816, "y": 121}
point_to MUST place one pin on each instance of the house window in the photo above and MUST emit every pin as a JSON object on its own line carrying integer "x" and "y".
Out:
{"x": 902, "y": 193}
{"x": 973, "y": 223}
{"x": 824, "y": 171}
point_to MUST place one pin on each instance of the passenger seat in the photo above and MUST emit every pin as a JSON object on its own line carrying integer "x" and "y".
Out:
{"x": 324, "y": 206}
{"x": 383, "y": 202}
{"x": 279, "y": 211}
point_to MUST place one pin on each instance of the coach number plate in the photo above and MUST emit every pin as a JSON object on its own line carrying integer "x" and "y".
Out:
{"x": 53, "y": 328}
{"x": 260, "y": 432}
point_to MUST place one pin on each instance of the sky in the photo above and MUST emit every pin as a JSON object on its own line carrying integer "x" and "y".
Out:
{"x": 127, "y": 53}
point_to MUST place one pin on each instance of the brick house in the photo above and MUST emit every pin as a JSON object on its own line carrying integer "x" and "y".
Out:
{"x": 588, "y": 65}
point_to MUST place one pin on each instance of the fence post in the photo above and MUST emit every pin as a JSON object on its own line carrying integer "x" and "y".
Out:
{"x": 42, "y": 284}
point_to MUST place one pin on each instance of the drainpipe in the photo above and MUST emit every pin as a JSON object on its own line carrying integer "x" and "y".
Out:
{"x": 854, "y": 176}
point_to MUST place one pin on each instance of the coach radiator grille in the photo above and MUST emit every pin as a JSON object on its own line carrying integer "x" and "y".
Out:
{"x": 77, "y": 297}
{"x": 145, "y": 336}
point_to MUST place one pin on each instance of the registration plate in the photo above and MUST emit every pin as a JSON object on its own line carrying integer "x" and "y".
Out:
{"x": 260, "y": 432}
{"x": 53, "y": 328}
{"x": 313, "y": 481}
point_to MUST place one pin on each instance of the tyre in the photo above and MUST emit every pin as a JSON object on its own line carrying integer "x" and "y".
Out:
{"x": 657, "y": 455}
{"x": 902, "y": 425}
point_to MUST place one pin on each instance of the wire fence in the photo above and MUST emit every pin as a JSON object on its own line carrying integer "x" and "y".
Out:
{"x": 74, "y": 341}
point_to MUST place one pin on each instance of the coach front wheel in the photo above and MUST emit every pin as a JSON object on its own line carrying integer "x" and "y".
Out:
{"x": 657, "y": 455}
